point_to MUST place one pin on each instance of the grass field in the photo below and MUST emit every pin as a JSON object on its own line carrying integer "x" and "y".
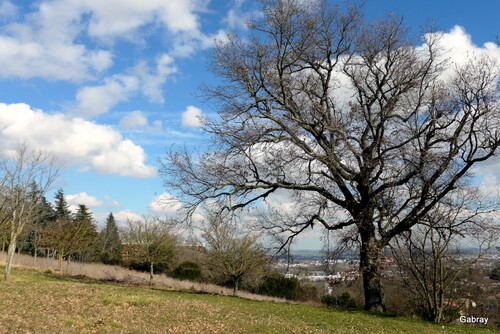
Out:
{"x": 37, "y": 302}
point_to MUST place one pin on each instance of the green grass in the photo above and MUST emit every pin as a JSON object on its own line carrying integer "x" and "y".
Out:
{"x": 36, "y": 302}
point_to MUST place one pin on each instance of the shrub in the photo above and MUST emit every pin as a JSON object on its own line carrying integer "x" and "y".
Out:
{"x": 145, "y": 267}
{"x": 343, "y": 300}
{"x": 277, "y": 285}
{"x": 187, "y": 270}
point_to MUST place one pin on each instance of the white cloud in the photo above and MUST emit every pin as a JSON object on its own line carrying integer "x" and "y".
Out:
{"x": 111, "y": 203}
{"x": 96, "y": 100}
{"x": 124, "y": 215}
{"x": 73, "y": 140}
{"x": 45, "y": 46}
{"x": 93, "y": 101}
{"x": 48, "y": 42}
{"x": 134, "y": 119}
{"x": 119, "y": 17}
{"x": 153, "y": 80}
{"x": 459, "y": 48}
{"x": 459, "y": 44}
{"x": 490, "y": 185}
{"x": 165, "y": 204}
{"x": 191, "y": 117}
{"x": 7, "y": 10}
{"x": 83, "y": 198}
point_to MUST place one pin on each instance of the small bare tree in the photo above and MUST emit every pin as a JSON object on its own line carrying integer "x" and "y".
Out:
{"x": 26, "y": 179}
{"x": 430, "y": 256}
{"x": 149, "y": 240}
{"x": 230, "y": 252}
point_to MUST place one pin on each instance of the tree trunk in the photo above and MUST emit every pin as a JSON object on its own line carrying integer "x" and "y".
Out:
{"x": 371, "y": 270}
{"x": 236, "y": 283}
{"x": 60, "y": 257}
{"x": 35, "y": 247}
{"x": 10, "y": 258}
{"x": 151, "y": 272}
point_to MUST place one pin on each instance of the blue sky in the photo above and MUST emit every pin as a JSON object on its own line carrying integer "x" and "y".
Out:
{"x": 107, "y": 85}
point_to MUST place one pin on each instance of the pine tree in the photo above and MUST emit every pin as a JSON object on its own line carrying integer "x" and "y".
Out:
{"x": 83, "y": 213}
{"x": 110, "y": 242}
{"x": 85, "y": 220}
{"x": 61, "y": 206}
{"x": 45, "y": 217}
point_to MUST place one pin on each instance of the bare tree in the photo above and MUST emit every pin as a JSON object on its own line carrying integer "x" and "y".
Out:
{"x": 364, "y": 130}
{"x": 230, "y": 252}
{"x": 150, "y": 240}
{"x": 26, "y": 179}
{"x": 430, "y": 256}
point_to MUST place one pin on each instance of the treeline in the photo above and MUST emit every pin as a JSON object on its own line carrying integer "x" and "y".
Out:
{"x": 223, "y": 254}
{"x": 55, "y": 231}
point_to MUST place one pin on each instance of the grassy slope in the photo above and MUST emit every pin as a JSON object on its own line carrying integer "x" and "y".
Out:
{"x": 45, "y": 303}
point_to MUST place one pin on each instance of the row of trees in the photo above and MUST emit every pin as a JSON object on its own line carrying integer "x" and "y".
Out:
{"x": 29, "y": 223}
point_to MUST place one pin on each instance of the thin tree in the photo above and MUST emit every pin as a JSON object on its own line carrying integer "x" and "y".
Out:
{"x": 231, "y": 253}
{"x": 20, "y": 199}
{"x": 363, "y": 129}
{"x": 150, "y": 241}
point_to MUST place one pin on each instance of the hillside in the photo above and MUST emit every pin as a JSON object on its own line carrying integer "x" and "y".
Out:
{"x": 46, "y": 303}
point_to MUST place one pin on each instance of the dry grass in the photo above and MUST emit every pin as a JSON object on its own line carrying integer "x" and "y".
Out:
{"x": 37, "y": 302}
{"x": 101, "y": 271}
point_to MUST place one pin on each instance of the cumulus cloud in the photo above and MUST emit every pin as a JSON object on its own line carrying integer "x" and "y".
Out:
{"x": 191, "y": 117}
{"x": 124, "y": 215}
{"x": 165, "y": 204}
{"x": 153, "y": 79}
{"x": 47, "y": 42}
{"x": 96, "y": 100}
{"x": 93, "y": 101}
{"x": 46, "y": 45}
{"x": 83, "y": 198}
{"x": 73, "y": 140}
{"x": 458, "y": 45}
{"x": 134, "y": 119}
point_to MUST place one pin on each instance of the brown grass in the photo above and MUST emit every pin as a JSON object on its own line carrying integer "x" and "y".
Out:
{"x": 37, "y": 302}
{"x": 119, "y": 274}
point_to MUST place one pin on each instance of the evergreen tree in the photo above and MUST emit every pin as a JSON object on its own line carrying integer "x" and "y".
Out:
{"x": 110, "y": 242}
{"x": 85, "y": 220}
{"x": 61, "y": 206}
{"x": 83, "y": 213}
{"x": 45, "y": 217}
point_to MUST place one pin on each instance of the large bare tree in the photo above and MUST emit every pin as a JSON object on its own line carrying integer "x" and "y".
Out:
{"x": 26, "y": 177}
{"x": 361, "y": 127}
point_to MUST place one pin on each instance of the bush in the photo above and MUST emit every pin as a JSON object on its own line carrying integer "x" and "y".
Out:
{"x": 187, "y": 270}
{"x": 277, "y": 285}
{"x": 495, "y": 274}
{"x": 308, "y": 292}
{"x": 145, "y": 267}
{"x": 343, "y": 300}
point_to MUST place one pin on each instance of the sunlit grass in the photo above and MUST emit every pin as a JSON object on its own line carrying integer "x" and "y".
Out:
{"x": 37, "y": 302}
